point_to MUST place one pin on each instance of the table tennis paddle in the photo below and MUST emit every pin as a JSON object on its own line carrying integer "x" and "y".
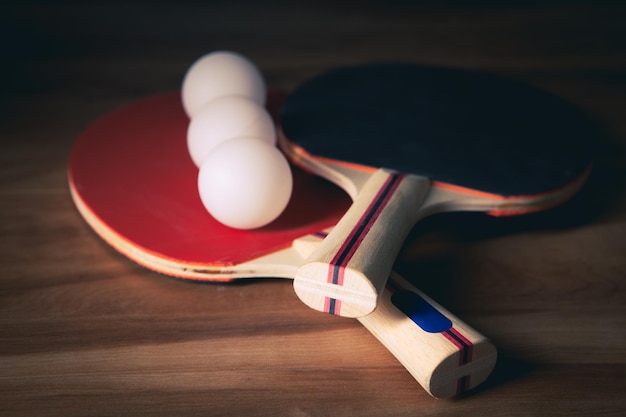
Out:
{"x": 408, "y": 141}
{"x": 133, "y": 182}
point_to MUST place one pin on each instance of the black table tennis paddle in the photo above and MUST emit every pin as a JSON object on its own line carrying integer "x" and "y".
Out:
{"x": 408, "y": 141}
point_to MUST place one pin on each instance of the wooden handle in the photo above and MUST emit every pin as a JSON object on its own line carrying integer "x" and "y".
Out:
{"x": 347, "y": 272}
{"x": 446, "y": 356}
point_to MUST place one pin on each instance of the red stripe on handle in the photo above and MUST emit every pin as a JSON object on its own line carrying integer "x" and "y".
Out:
{"x": 361, "y": 229}
{"x": 462, "y": 384}
{"x": 332, "y": 306}
{"x": 465, "y": 356}
{"x": 469, "y": 347}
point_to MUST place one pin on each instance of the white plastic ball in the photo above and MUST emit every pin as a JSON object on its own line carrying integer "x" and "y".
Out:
{"x": 245, "y": 183}
{"x": 227, "y": 118}
{"x": 219, "y": 74}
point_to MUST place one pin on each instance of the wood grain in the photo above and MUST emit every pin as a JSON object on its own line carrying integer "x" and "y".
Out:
{"x": 85, "y": 332}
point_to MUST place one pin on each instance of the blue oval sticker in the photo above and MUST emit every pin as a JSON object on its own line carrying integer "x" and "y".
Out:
{"x": 427, "y": 317}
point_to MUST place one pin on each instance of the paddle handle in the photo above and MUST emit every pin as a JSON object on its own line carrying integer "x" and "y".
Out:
{"x": 446, "y": 356}
{"x": 347, "y": 272}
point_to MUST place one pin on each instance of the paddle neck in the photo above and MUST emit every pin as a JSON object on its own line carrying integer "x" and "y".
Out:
{"x": 347, "y": 272}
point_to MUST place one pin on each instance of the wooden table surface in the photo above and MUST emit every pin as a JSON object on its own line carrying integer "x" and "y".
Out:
{"x": 84, "y": 332}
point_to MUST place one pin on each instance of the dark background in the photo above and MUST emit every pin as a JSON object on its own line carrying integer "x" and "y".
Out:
{"x": 85, "y": 332}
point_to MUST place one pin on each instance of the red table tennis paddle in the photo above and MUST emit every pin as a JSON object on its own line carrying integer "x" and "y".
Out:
{"x": 134, "y": 183}
{"x": 407, "y": 141}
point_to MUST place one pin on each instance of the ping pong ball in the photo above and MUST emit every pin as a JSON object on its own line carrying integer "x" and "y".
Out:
{"x": 221, "y": 73}
{"x": 226, "y": 118}
{"x": 245, "y": 183}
